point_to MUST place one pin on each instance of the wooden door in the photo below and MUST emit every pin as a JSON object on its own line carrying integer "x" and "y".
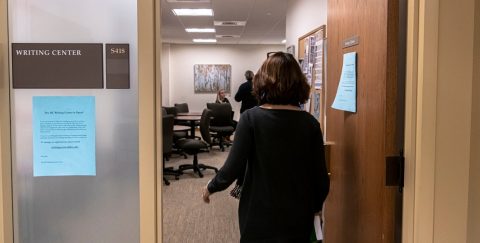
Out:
{"x": 360, "y": 207}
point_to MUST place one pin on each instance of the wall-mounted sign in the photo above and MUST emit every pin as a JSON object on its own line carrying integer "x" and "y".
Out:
{"x": 63, "y": 135}
{"x": 57, "y": 66}
{"x": 118, "y": 66}
{"x": 352, "y": 41}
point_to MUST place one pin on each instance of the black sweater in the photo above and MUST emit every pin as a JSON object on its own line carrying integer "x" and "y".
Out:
{"x": 286, "y": 179}
{"x": 244, "y": 94}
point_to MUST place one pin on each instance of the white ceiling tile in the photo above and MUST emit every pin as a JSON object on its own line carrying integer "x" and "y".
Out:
{"x": 232, "y": 9}
{"x": 197, "y": 22}
{"x": 265, "y": 21}
{"x": 229, "y": 30}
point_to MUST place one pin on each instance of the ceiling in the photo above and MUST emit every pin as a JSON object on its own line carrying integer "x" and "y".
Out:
{"x": 265, "y": 21}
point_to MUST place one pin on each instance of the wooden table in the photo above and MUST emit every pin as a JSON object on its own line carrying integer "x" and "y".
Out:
{"x": 192, "y": 120}
{"x": 179, "y": 128}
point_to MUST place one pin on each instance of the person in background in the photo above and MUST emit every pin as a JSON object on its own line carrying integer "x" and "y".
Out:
{"x": 221, "y": 97}
{"x": 244, "y": 93}
{"x": 279, "y": 156}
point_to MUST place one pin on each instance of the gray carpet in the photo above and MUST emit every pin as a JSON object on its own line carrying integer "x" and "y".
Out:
{"x": 186, "y": 218}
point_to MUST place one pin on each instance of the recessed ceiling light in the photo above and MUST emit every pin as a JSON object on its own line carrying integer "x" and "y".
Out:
{"x": 205, "y": 40}
{"x": 192, "y": 12}
{"x": 284, "y": 41}
{"x": 227, "y": 36}
{"x": 200, "y": 30}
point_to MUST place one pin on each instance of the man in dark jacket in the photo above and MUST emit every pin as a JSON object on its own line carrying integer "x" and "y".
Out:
{"x": 244, "y": 93}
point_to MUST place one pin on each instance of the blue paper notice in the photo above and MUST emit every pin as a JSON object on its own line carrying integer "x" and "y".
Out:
{"x": 346, "y": 98}
{"x": 63, "y": 135}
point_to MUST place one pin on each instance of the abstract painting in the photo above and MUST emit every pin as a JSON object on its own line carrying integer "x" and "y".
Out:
{"x": 209, "y": 78}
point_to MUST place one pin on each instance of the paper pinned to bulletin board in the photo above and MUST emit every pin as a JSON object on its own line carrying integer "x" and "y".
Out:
{"x": 318, "y": 79}
{"x": 346, "y": 98}
{"x": 316, "y": 104}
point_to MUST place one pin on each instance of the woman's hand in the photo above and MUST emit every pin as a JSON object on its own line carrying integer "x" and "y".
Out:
{"x": 206, "y": 195}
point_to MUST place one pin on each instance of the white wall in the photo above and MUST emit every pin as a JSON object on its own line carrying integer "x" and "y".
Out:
{"x": 183, "y": 57}
{"x": 304, "y": 16}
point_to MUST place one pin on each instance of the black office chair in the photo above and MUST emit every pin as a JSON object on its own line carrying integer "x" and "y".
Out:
{"x": 222, "y": 123}
{"x": 194, "y": 146}
{"x": 181, "y": 108}
{"x": 167, "y": 137}
{"x": 176, "y": 135}
{"x": 170, "y": 110}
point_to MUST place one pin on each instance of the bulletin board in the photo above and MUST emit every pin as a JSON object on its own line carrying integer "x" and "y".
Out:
{"x": 312, "y": 57}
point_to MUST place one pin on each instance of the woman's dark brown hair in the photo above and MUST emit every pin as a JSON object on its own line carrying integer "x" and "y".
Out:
{"x": 281, "y": 81}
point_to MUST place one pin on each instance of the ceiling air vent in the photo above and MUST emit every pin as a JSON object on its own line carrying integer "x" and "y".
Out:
{"x": 188, "y": 1}
{"x": 227, "y": 36}
{"x": 229, "y": 23}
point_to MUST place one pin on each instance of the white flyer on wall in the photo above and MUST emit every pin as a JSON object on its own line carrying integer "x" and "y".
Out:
{"x": 346, "y": 98}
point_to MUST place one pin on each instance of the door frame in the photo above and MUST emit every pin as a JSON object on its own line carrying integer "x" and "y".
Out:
{"x": 420, "y": 120}
{"x": 6, "y": 214}
{"x": 150, "y": 122}
{"x": 438, "y": 120}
